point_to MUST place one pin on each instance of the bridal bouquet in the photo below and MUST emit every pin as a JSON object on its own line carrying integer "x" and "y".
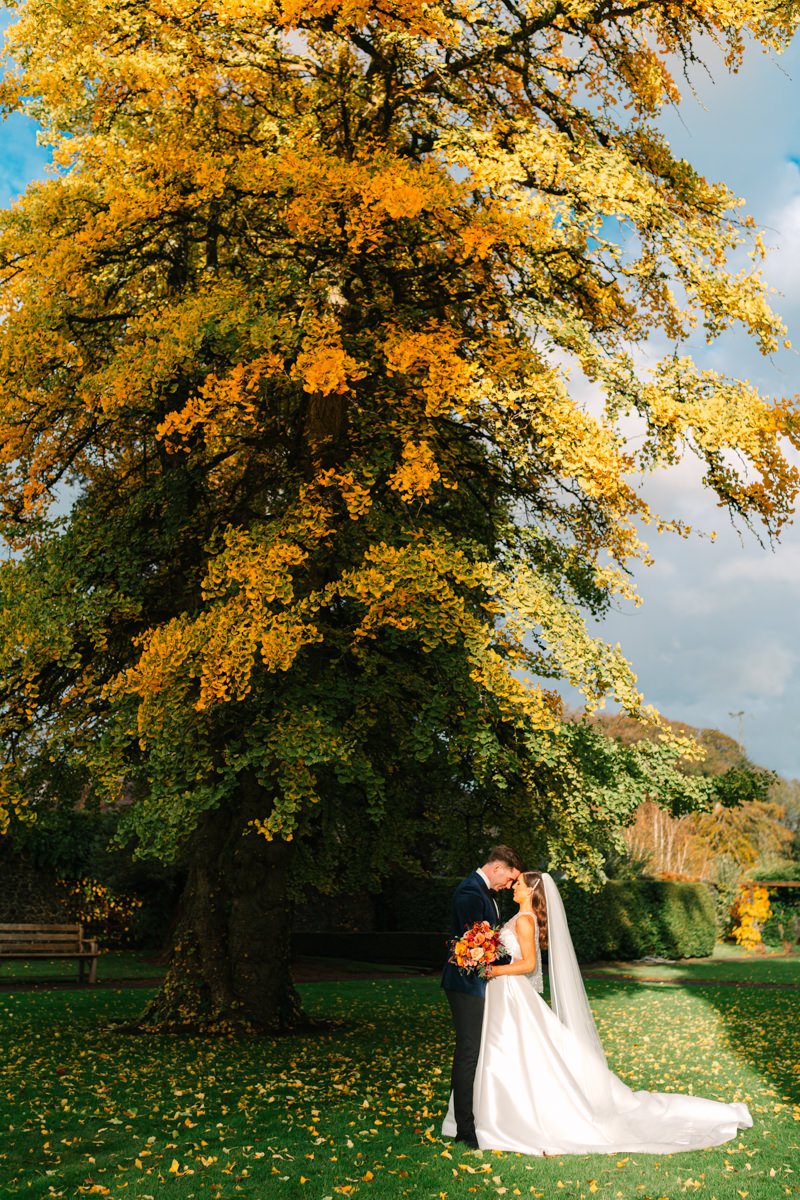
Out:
{"x": 476, "y": 949}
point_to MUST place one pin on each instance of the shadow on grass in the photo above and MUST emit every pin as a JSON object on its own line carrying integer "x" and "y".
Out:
{"x": 757, "y": 1024}
{"x": 724, "y": 968}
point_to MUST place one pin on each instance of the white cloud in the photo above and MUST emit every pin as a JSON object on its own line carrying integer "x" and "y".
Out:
{"x": 767, "y": 568}
{"x": 766, "y": 670}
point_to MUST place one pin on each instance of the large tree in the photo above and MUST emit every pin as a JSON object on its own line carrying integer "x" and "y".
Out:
{"x": 292, "y": 326}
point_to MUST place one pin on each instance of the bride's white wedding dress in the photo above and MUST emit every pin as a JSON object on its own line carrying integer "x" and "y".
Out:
{"x": 542, "y": 1085}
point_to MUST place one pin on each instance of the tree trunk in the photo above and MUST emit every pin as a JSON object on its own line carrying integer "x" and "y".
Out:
{"x": 230, "y": 967}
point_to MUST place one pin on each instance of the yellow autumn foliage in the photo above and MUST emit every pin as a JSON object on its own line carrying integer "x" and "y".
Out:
{"x": 298, "y": 314}
{"x": 751, "y": 911}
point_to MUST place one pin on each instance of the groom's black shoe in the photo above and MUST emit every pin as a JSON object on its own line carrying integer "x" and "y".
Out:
{"x": 468, "y": 1139}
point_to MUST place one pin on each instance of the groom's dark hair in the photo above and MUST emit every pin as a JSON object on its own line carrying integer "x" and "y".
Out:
{"x": 505, "y": 854}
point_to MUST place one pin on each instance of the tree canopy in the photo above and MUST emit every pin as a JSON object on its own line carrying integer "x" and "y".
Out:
{"x": 294, "y": 320}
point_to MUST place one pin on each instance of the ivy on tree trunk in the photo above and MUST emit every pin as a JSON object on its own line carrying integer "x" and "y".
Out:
{"x": 230, "y": 964}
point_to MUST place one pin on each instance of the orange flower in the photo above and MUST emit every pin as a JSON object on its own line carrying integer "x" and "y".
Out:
{"x": 475, "y": 949}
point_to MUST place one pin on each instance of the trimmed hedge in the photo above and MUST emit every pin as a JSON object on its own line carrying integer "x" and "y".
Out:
{"x": 641, "y": 918}
{"x": 424, "y": 950}
{"x": 626, "y": 919}
{"x": 783, "y": 871}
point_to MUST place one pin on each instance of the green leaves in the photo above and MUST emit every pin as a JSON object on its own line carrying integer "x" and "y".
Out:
{"x": 295, "y": 317}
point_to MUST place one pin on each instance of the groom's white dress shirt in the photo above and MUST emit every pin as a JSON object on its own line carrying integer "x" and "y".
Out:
{"x": 492, "y": 897}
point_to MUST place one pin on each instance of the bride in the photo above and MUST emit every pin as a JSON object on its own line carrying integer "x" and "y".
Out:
{"x": 542, "y": 1085}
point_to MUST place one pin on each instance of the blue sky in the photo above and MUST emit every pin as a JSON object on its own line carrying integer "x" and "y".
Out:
{"x": 718, "y": 630}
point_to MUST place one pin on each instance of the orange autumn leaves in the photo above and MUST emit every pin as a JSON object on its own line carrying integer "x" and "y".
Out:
{"x": 306, "y": 295}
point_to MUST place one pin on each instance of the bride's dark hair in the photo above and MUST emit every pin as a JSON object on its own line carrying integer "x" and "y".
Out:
{"x": 533, "y": 879}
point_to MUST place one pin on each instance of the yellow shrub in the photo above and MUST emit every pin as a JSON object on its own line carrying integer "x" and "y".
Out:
{"x": 750, "y": 912}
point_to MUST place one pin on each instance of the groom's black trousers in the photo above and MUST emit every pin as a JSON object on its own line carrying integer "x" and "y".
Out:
{"x": 467, "y": 1013}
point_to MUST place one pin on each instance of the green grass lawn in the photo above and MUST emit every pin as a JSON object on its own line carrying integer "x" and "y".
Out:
{"x": 112, "y": 964}
{"x": 727, "y": 963}
{"x": 131, "y": 964}
{"x": 356, "y": 1110}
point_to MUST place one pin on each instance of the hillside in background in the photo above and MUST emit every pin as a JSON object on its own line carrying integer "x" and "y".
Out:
{"x": 753, "y": 825}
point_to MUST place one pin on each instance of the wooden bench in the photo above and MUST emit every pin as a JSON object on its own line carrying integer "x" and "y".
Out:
{"x": 21, "y": 942}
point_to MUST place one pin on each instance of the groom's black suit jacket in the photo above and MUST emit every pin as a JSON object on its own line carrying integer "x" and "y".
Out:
{"x": 472, "y": 901}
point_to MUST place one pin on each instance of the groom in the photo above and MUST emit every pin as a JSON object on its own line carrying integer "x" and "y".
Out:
{"x": 473, "y": 900}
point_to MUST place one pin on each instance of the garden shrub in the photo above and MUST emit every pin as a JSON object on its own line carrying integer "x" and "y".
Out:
{"x": 637, "y": 918}
{"x": 123, "y": 902}
{"x": 725, "y": 875}
{"x": 687, "y": 920}
{"x": 783, "y": 924}
{"x": 750, "y": 912}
